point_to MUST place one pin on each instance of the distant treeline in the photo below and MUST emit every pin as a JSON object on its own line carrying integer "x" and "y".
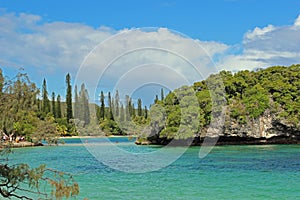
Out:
{"x": 246, "y": 95}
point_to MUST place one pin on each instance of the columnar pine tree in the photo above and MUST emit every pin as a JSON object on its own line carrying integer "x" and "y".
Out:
{"x": 110, "y": 109}
{"x": 46, "y": 102}
{"x": 162, "y": 96}
{"x": 145, "y": 112}
{"x": 117, "y": 104}
{"x": 140, "y": 110}
{"x": 69, "y": 97}
{"x": 83, "y": 106}
{"x": 122, "y": 113}
{"x": 58, "y": 107}
{"x": 132, "y": 110}
{"x": 76, "y": 103}
{"x": 97, "y": 108}
{"x": 113, "y": 108}
{"x": 1, "y": 82}
{"x": 127, "y": 108}
{"x": 156, "y": 99}
{"x": 39, "y": 105}
{"x": 102, "y": 106}
{"x": 53, "y": 105}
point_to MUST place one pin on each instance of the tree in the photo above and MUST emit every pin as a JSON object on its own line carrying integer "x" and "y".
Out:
{"x": 110, "y": 108}
{"x": 127, "y": 108}
{"x": 256, "y": 101}
{"x": 102, "y": 106}
{"x": 23, "y": 182}
{"x": 1, "y": 83}
{"x": 145, "y": 112}
{"x": 53, "y": 105}
{"x": 83, "y": 105}
{"x": 76, "y": 104}
{"x": 18, "y": 106}
{"x": 46, "y": 102}
{"x": 58, "y": 107}
{"x": 132, "y": 110}
{"x": 19, "y": 117}
{"x": 69, "y": 98}
{"x": 162, "y": 96}
{"x": 140, "y": 110}
{"x": 117, "y": 104}
{"x": 122, "y": 113}
{"x": 156, "y": 99}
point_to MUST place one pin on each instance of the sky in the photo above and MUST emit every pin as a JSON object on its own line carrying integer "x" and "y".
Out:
{"x": 109, "y": 45}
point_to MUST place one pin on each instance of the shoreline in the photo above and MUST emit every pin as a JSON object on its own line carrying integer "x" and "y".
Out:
{"x": 96, "y": 136}
{"x": 220, "y": 141}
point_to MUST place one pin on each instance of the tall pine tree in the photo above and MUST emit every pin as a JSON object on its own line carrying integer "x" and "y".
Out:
{"x": 122, "y": 113}
{"x": 84, "y": 111}
{"x": 145, "y": 112}
{"x": 102, "y": 106}
{"x": 76, "y": 104}
{"x": 69, "y": 98}
{"x": 162, "y": 96}
{"x": 53, "y": 105}
{"x": 46, "y": 102}
{"x": 140, "y": 110}
{"x": 110, "y": 111}
{"x": 156, "y": 99}
{"x": 117, "y": 104}
{"x": 58, "y": 107}
{"x": 127, "y": 108}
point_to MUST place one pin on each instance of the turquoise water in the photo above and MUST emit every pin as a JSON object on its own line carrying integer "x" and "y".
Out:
{"x": 228, "y": 172}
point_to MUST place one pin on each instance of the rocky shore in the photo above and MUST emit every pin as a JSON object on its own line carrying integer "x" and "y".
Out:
{"x": 266, "y": 129}
{"x": 20, "y": 144}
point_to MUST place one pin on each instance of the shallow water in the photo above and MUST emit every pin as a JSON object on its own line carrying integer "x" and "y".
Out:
{"x": 227, "y": 172}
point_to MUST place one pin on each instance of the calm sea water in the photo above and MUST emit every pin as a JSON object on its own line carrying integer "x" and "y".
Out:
{"x": 228, "y": 172}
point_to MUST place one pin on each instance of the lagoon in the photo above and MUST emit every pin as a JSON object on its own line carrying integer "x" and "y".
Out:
{"x": 227, "y": 172}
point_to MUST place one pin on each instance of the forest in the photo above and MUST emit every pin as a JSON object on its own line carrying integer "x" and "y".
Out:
{"x": 28, "y": 112}
{"x": 245, "y": 96}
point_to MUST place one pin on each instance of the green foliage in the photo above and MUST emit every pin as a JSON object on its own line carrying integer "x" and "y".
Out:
{"x": 17, "y": 179}
{"x": 102, "y": 106}
{"x": 58, "y": 107}
{"x": 256, "y": 101}
{"x": 110, "y": 127}
{"x": 247, "y": 95}
{"x": 24, "y": 116}
{"x": 69, "y": 97}
{"x": 140, "y": 110}
{"x": 81, "y": 105}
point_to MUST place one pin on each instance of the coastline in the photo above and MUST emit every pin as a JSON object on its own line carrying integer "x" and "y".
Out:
{"x": 220, "y": 141}
{"x": 96, "y": 136}
{"x": 19, "y": 144}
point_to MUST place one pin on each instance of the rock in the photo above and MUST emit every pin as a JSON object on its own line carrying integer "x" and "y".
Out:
{"x": 264, "y": 130}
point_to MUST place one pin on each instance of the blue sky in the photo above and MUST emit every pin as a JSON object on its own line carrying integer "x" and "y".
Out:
{"x": 218, "y": 20}
{"x": 50, "y": 38}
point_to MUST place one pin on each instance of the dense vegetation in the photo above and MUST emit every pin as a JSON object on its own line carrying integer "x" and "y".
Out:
{"x": 28, "y": 114}
{"x": 121, "y": 118}
{"x": 246, "y": 95}
{"x": 25, "y": 117}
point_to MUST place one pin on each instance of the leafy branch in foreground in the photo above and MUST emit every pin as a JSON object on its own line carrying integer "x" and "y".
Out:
{"x": 22, "y": 182}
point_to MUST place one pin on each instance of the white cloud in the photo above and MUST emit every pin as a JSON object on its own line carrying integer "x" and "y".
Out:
{"x": 267, "y": 46}
{"x": 297, "y": 21}
{"x": 26, "y": 40}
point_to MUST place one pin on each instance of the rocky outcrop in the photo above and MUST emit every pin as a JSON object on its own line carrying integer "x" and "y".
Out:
{"x": 266, "y": 129}
{"x": 266, "y": 126}
{"x": 20, "y": 144}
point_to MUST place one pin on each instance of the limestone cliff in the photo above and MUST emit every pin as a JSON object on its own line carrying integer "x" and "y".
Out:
{"x": 267, "y": 129}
